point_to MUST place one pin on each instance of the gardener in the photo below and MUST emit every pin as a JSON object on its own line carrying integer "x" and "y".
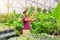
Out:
{"x": 26, "y": 22}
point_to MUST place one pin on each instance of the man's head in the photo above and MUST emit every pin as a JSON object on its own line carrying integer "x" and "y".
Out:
{"x": 25, "y": 13}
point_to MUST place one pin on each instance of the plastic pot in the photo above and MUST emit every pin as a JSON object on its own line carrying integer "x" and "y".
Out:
{"x": 7, "y": 31}
{"x": 2, "y": 32}
{"x": 21, "y": 31}
{"x": 11, "y": 30}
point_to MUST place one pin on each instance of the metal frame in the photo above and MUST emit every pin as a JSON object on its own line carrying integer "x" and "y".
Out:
{"x": 26, "y": 1}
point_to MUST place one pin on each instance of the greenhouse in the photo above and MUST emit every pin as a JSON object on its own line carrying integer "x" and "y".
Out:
{"x": 29, "y": 19}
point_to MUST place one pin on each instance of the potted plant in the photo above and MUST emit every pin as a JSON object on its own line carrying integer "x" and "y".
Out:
{"x": 11, "y": 29}
{"x": 20, "y": 29}
{"x": 7, "y": 30}
{"x": 38, "y": 9}
{"x": 31, "y": 10}
{"x": 44, "y": 10}
{"x": 1, "y": 30}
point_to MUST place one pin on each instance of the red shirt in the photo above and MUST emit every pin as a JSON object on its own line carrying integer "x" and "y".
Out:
{"x": 26, "y": 24}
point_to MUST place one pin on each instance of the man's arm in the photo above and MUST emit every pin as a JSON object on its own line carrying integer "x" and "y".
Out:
{"x": 29, "y": 19}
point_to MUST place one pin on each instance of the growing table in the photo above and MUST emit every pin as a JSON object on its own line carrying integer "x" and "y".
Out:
{"x": 7, "y": 34}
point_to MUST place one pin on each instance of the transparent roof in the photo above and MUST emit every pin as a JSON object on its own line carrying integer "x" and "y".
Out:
{"x": 20, "y": 5}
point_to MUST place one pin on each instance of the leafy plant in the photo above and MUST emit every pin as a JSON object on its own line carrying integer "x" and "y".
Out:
{"x": 38, "y": 9}
{"x": 31, "y": 10}
{"x": 44, "y": 10}
{"x": 56, "y": 12}
{"x": 44, "y": 23}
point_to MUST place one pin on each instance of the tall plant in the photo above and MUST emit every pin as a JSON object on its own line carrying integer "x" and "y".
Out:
{"x": 56, "y": 12}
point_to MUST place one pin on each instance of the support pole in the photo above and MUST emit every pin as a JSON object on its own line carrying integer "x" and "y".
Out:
{"x": 37, "y": 3}
{"x": 25, "y": 4}
{"x": 8, "y": 6}
{"x": 50, "y": 3}
{"x": 54, "y": 4}
{"x": 44, "y": 4}
{"x": 45, "y": 1}
{"x": 0, "y": 9}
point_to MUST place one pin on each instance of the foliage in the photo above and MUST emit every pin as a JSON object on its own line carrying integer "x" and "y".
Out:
{"x": 36, "y": 37}
{"x": 15, "y": 20}
{"x": 56, "y": 12}
{"x": 31, "y": 10}
{"x": 44, "y": 23}
{"x": 44, "y": 10}
{"x": 38, "y": 9}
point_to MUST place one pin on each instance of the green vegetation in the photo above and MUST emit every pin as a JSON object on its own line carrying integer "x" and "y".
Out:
{"x": 36, "y": 37}
{"x": 44, "y": 23}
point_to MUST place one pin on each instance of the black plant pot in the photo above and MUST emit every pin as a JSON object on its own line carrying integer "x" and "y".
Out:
{"x": 7, "y": 31}
{"x": 2, "y": 32}
{"x": 11, "y": 30}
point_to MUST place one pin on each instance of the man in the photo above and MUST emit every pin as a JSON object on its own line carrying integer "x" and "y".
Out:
{"x": 26, "y": 22}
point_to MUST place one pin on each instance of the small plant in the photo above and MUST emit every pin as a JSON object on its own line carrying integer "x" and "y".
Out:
{"x": 38, "y": 9}
{"x": 44, "y": 10}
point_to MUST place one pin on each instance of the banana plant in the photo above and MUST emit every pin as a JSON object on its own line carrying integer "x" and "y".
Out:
{"x": 56, "y": 12}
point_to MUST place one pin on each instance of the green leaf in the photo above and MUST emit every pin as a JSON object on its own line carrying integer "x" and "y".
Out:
{"x": 56, "y": 12}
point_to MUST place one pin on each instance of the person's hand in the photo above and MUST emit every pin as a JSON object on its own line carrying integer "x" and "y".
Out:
{"x": 33, "y": 14}
{"x": 33, "y": 19}
{"x": 30, "y": 18}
